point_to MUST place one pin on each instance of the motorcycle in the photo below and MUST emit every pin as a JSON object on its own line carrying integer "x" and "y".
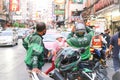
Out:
{"x": 40, "y": 76}
{"x": 69, "y": 66}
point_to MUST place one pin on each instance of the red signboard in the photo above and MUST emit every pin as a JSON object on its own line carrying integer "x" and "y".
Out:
{"x": 14, "y": 5}
{"x": 102, "y": 4}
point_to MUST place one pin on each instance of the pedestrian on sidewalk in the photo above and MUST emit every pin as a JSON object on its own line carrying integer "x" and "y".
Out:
{"x": 114, "y": 48}
{"x": 116, "y": 75}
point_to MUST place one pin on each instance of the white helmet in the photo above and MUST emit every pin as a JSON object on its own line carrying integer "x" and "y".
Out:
{"x": 80, "y": 29}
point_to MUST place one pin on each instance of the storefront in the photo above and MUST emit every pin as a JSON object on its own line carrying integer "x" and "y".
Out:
{"x": 110, "y": 11}
{"x": 115, "y": 24}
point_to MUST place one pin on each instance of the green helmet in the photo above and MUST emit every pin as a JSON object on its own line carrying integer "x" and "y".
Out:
{"x": 67, "y": 59}
{"x": 80, "y": 30}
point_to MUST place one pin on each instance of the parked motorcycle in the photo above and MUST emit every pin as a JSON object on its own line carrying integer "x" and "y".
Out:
{"x": 40, "y": 76}
{"x": 70, "y": 67}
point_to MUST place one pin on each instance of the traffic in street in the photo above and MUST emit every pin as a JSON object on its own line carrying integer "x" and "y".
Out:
{"x": 12, "y": 66}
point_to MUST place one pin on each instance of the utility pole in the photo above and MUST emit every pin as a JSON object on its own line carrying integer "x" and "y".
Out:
{"x": 64, "y": 8}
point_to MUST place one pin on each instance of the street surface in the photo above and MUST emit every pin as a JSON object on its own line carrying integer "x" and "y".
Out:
{"x": 12, "y": 65}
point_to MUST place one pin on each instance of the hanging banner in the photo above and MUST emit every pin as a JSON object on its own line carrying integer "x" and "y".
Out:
{"x": 100, "y": 25}
{"x": 14, "y": 5}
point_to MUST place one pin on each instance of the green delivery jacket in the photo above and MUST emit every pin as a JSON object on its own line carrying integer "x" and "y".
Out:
{"x": 83, "y": 41}
{"x": 35, "y": 51}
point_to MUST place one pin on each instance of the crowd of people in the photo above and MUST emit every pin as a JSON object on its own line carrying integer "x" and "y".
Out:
{"x": 80, "y": 36}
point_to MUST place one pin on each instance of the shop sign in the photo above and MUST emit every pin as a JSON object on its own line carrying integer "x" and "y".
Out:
{"x": 100, "y": 25}
{"x": 102, "y": 4}
{"x": 116, "y": 18}
{"x": 59, "y": 12}
{"x": 74, "y": 18}
{"x": 17, "y": 17}
{"x": 14, "y": 5}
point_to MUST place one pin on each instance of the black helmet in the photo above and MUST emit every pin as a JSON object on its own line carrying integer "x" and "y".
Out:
{"x": 80, "y": 29}
{"x": 67, "y": 58}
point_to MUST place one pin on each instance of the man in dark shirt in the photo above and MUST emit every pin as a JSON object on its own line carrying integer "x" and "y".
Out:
{"x": 114, "y": 47}
{"x": 116, "y": 75}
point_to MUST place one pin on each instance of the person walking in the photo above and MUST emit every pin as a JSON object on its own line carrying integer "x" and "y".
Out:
{"x": 114, "y": 48}
{"x": 35, "y": 49}
{"x": 116, "y": 75}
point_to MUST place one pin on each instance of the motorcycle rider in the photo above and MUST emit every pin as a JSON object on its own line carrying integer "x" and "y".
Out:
{"x": 99, "y": 43}
{"x": 81, "y": 36}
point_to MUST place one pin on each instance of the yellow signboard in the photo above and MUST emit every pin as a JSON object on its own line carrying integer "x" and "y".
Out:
{"x": 59, "y": 1}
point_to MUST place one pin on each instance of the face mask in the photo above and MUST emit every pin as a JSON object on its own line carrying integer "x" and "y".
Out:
{"x": 44, "y": 32}
{"x": 80, "y": 33}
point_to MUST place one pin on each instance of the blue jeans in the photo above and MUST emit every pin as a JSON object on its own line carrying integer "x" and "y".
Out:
{"x": 116, "y": 63}
{"x": 100, "y": 53}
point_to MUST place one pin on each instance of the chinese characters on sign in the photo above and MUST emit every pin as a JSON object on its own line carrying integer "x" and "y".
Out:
{"x": 14, "y": 5}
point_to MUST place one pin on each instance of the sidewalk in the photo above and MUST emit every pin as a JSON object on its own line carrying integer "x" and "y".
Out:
{"x": 110, "y": 68}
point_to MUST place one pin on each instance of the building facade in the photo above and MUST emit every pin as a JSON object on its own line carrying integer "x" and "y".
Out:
{"x": 109, "y": 10}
